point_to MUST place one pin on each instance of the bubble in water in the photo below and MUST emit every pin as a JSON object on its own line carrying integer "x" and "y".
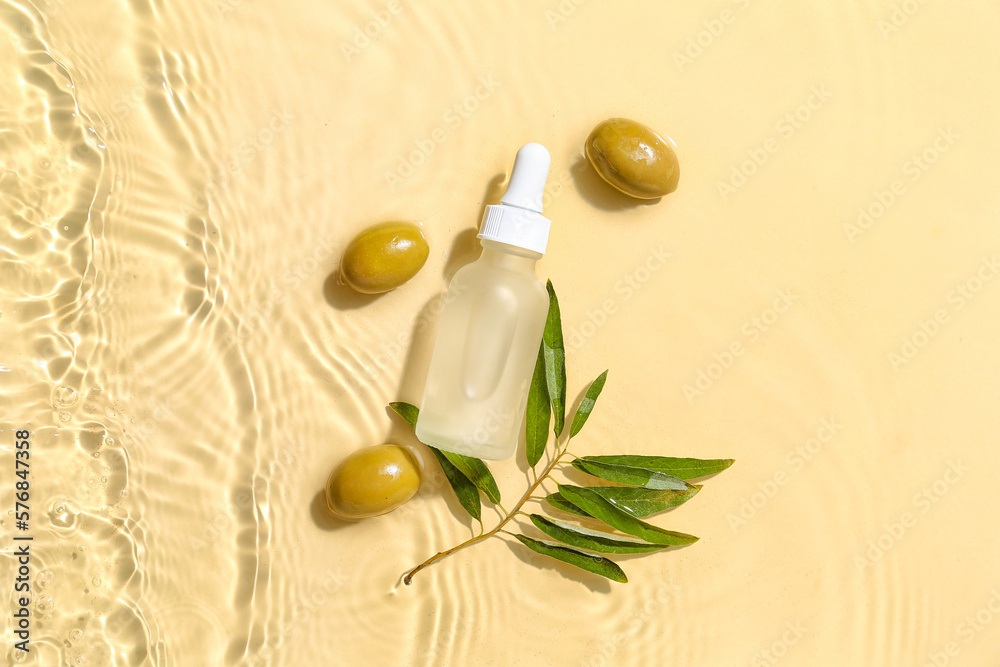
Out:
{"x": 96, "y": 455}
{"x": 65, "y": 397}
{"x": 17, "y": 656}
{"x": 75, "y": 635}
{"x": 104, "y": 480}
{"x": 96, "y": 581}
{"x": 62, "y": 515}
{"x": 65, "y": 416}
{"x": 109, "y": 441}
{"x": 133, "y": 420}
{"x": 45, "y": 578}
{"x": 44, "y": 605}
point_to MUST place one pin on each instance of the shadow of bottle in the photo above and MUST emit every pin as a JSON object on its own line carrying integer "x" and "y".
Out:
{"x": 464, "y": 250}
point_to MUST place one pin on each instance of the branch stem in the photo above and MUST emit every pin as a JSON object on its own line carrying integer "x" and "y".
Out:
{"x": 408, "y": 579}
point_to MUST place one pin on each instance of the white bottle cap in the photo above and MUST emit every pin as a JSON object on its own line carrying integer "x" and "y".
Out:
{"x": 518, "y": 219}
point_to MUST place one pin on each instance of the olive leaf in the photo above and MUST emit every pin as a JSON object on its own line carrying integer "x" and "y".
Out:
{"x": 649, "y": 479}
{"x": 600, "y": 508}
{"x": 589, "y": 562}
{"x": 537, "y": 412}
{"x": 557, "y": 501}
{"x": 465, "y": 490}
{"x": 555, "y": 361}
{"x": 680, "y": 468}
{"x": 477, "y": 472}
{"x": 649, "y": 484}
{"x": 591, "y": 540}
{"x": 587, "y": 404}
{"x": 468, "y": 494}
{"x": 638, "y": 502}
{"x": 407, "y": 411}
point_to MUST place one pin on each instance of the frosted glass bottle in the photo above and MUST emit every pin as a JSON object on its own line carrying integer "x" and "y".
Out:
{"x": 491, "y": 327}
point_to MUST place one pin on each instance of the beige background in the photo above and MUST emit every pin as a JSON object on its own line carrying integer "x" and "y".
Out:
{"x": 177, "y": 180}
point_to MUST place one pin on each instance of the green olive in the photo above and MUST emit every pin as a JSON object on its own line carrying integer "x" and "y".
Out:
{"x": 633, "y": 158}
{"x": 383, "y": 257}
{"x": 372, "y": 481}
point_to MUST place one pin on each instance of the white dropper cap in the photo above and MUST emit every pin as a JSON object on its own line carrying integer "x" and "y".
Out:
{"x": 518, "y": 219}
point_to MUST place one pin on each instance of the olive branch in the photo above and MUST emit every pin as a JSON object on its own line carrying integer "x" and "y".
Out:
{"x": 641, "y": 485}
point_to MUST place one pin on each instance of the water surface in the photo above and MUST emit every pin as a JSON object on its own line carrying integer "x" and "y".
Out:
{"x": 817, "y": 300}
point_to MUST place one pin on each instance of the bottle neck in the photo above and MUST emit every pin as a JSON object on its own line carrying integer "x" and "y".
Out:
{"x": 508, "y": 257}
